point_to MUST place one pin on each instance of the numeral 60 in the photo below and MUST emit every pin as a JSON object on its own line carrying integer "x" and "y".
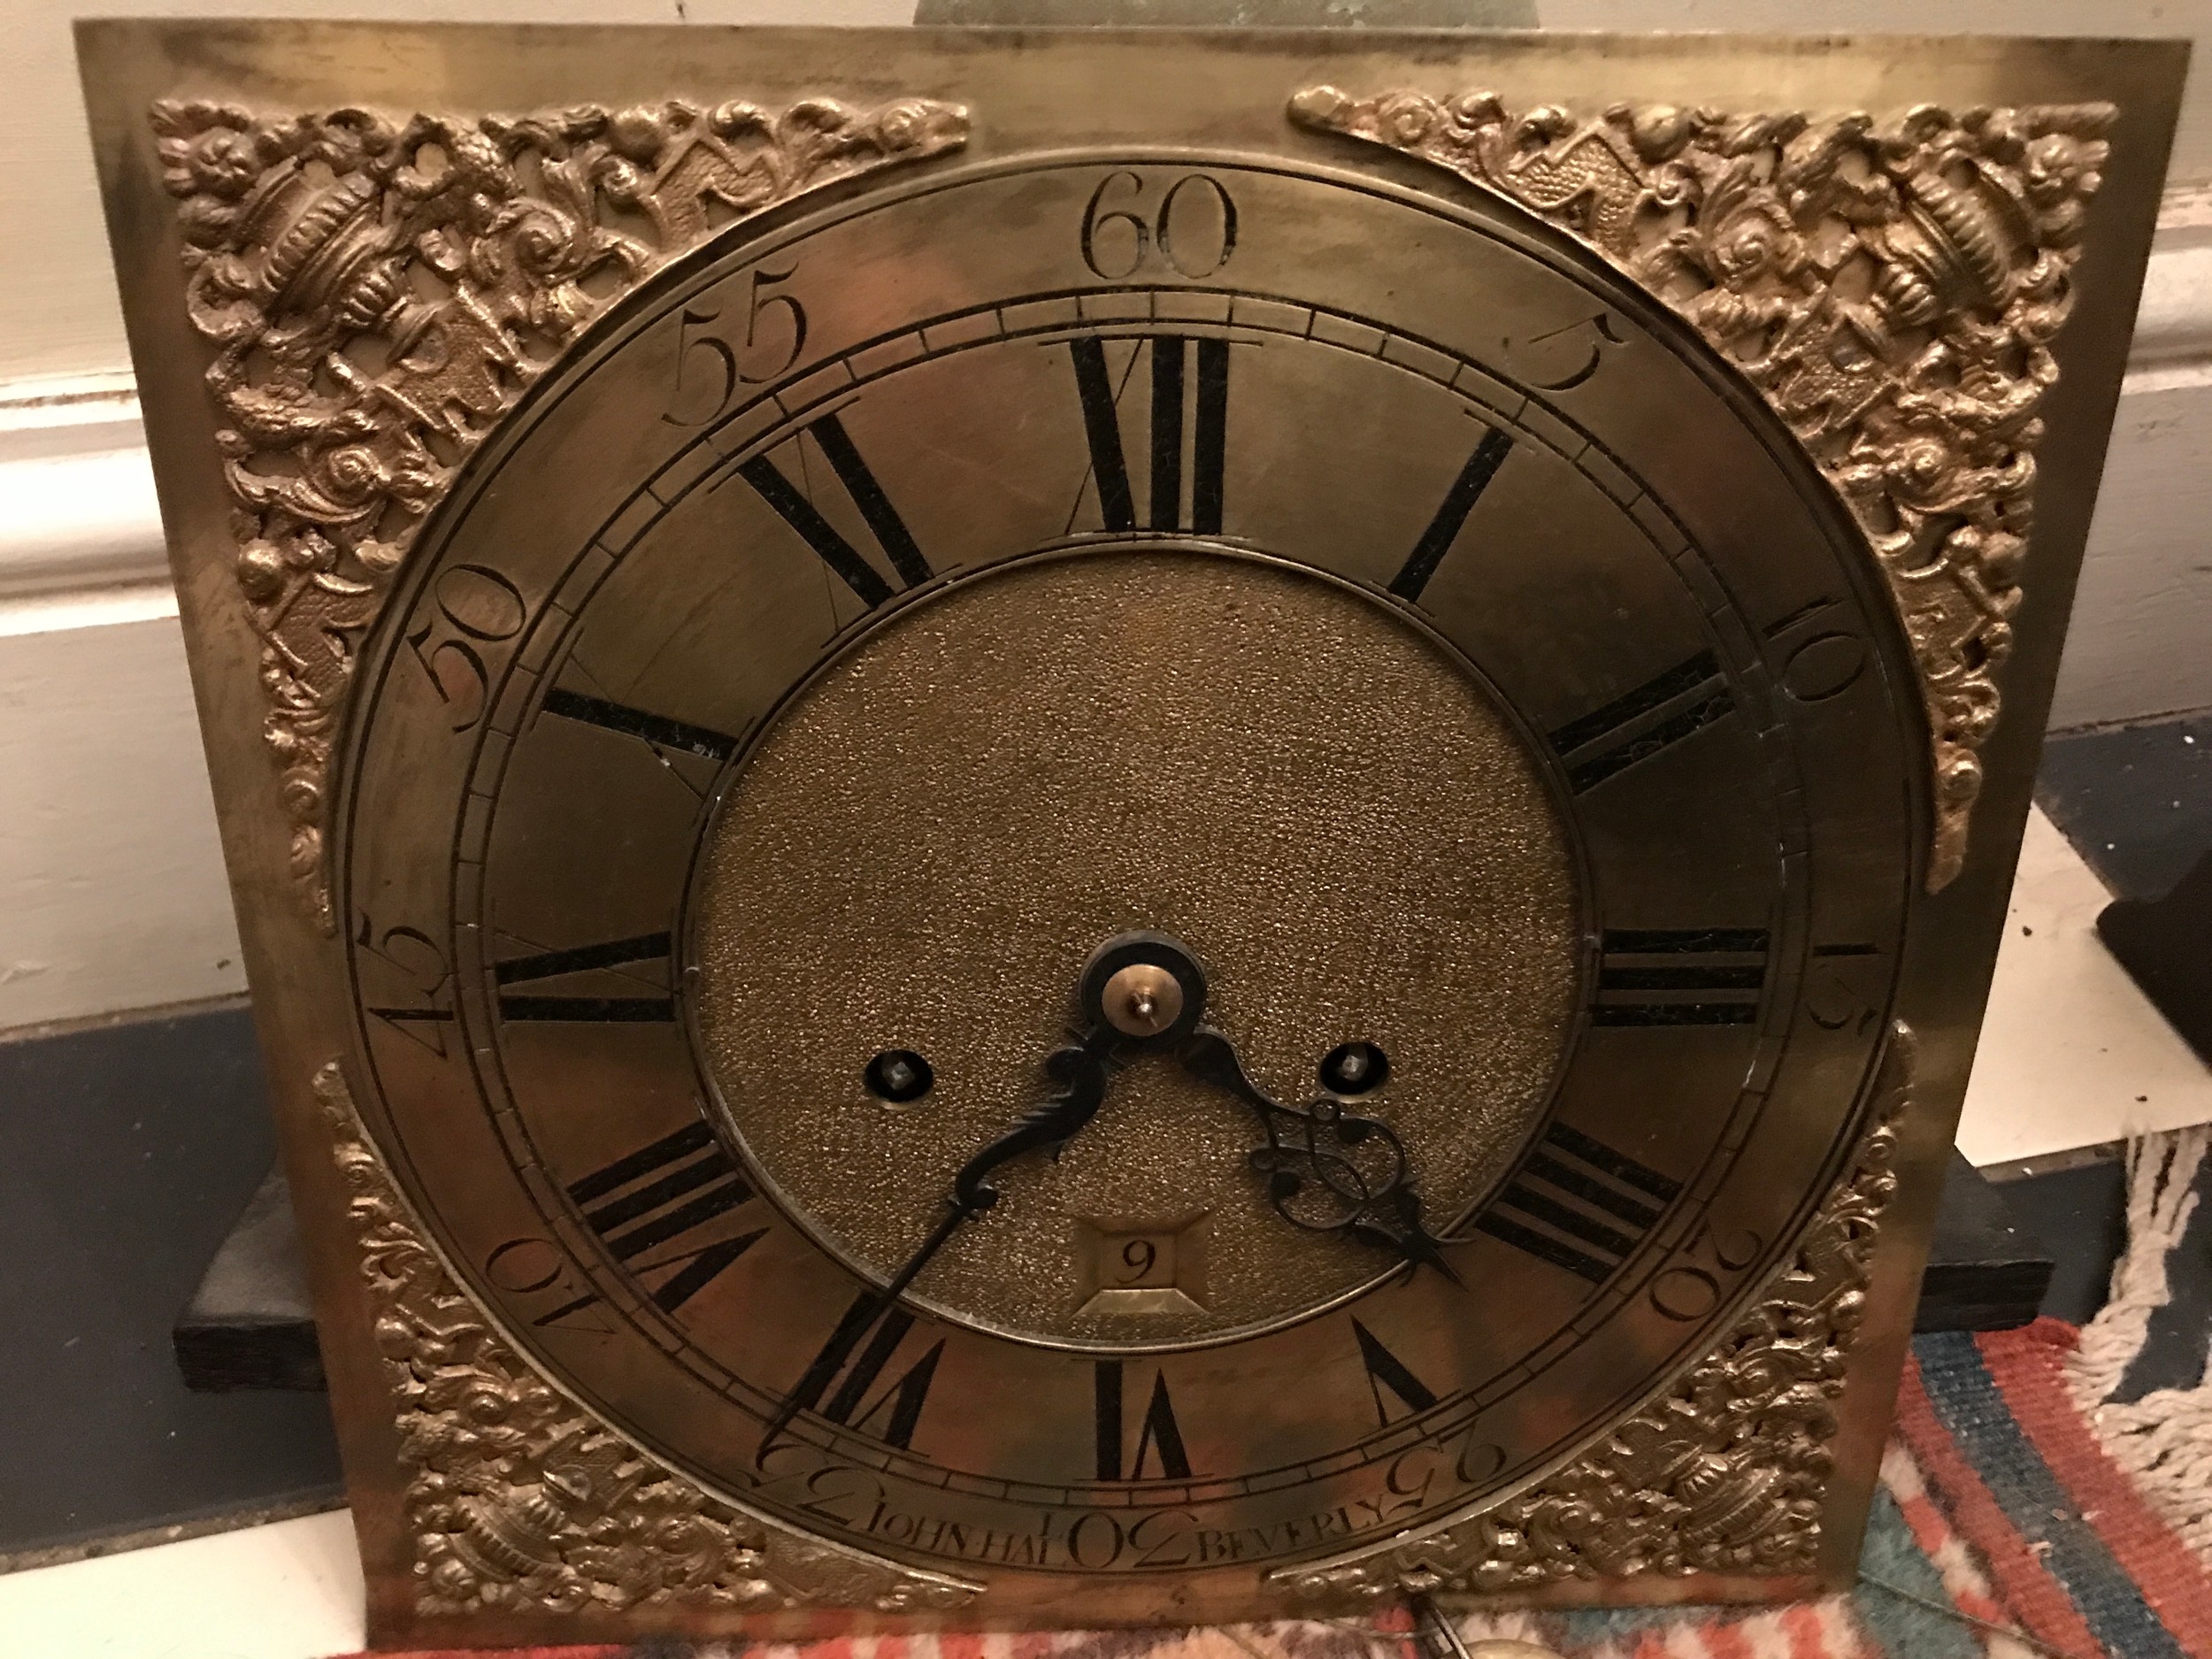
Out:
{"x": 1118, "y": 241}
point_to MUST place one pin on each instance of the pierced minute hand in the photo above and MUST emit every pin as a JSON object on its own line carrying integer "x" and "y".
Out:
{"x": 1081, "y": 1072}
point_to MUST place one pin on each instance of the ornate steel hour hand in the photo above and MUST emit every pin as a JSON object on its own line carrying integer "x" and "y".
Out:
{"x": 1327, "y": 1169}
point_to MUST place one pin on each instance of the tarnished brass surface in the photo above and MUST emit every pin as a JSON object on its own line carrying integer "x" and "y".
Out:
{"x": 379, "y": 292}
{"x": 1726, "y": 1473}
{"x": 1891, "y": 285}
{"x": 1652, "y": 500}
{"x": 926, "y": 844}
{"x": 523, "y": 1503}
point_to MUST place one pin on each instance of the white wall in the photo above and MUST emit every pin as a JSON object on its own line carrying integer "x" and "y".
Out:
{"x": 111, "y": 890}
{"x": 62, "y": 317}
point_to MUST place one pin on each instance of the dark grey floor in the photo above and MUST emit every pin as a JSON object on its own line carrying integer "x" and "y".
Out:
{"x": 125, "y": 1156}
{"x": 2136, "y": 801}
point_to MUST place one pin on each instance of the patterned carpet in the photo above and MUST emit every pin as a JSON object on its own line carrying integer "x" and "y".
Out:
{"x": 2029, "y": 1509}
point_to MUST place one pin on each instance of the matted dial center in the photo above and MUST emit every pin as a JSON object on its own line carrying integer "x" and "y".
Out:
{"x": 924, "y": 848}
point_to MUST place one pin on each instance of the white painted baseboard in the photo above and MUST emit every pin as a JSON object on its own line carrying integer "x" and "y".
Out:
{"x": 111, "y": 887}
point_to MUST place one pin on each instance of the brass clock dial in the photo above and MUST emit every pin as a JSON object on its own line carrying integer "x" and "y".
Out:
{"x": 902, "y": 596}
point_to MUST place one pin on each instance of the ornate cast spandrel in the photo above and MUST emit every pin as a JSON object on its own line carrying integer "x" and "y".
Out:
{"x": 1726, "y": 1472}
{"x": 518, "y": 1499}
{"x": 1891, "y": 286}
{"x": 379, "y": 292}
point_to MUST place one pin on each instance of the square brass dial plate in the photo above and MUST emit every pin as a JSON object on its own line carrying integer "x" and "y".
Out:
{"x": 1419, "y": 655}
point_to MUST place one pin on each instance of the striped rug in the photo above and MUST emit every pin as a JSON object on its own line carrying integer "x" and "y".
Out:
{"x": 2001, "y": 1530}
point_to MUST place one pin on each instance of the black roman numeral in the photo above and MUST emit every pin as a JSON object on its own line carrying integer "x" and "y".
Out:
{"x": 1662, "y": 711}
{"x": 1451, "y": 517}
{"x": 1680, "y": 976}
{"x": 1159, "y": 1437}
{"x": 829, "y": 544}
{"x": 1579, "y": 1204}
{"x": 656, "y": 1196}
{"x": 549, "y": 964}
{"x": 1386, "y": 1370}
{"x": 899, "y": 1405}
{"x": 656, "y": 729}
{"x": 1102, "y": 431}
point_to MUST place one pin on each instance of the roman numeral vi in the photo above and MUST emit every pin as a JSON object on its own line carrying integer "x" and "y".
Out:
{"x": 1159, "y": 1437}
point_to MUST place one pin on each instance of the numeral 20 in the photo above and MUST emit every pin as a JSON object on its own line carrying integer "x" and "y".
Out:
{"x": 1687, "y": 1292}
{"x": 1118, "y": 241}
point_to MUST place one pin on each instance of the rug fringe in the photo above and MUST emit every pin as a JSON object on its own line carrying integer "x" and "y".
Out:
{"x": 2162, "y": 1440}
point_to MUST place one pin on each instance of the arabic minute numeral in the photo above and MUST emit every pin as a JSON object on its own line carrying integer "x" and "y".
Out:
{"x": 531, "y": 1266}
{"x": 1687, "y": 1290}
{"x": 1568, "y": 354}
{"x": 413, "y": 959}
{"x": 469, "y": 607}
{"x": 773, "y": 337}
{"x": 1191, "y": 233}
{"x": 1819, "y": 660}
{"x": 1843, "y": 990}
